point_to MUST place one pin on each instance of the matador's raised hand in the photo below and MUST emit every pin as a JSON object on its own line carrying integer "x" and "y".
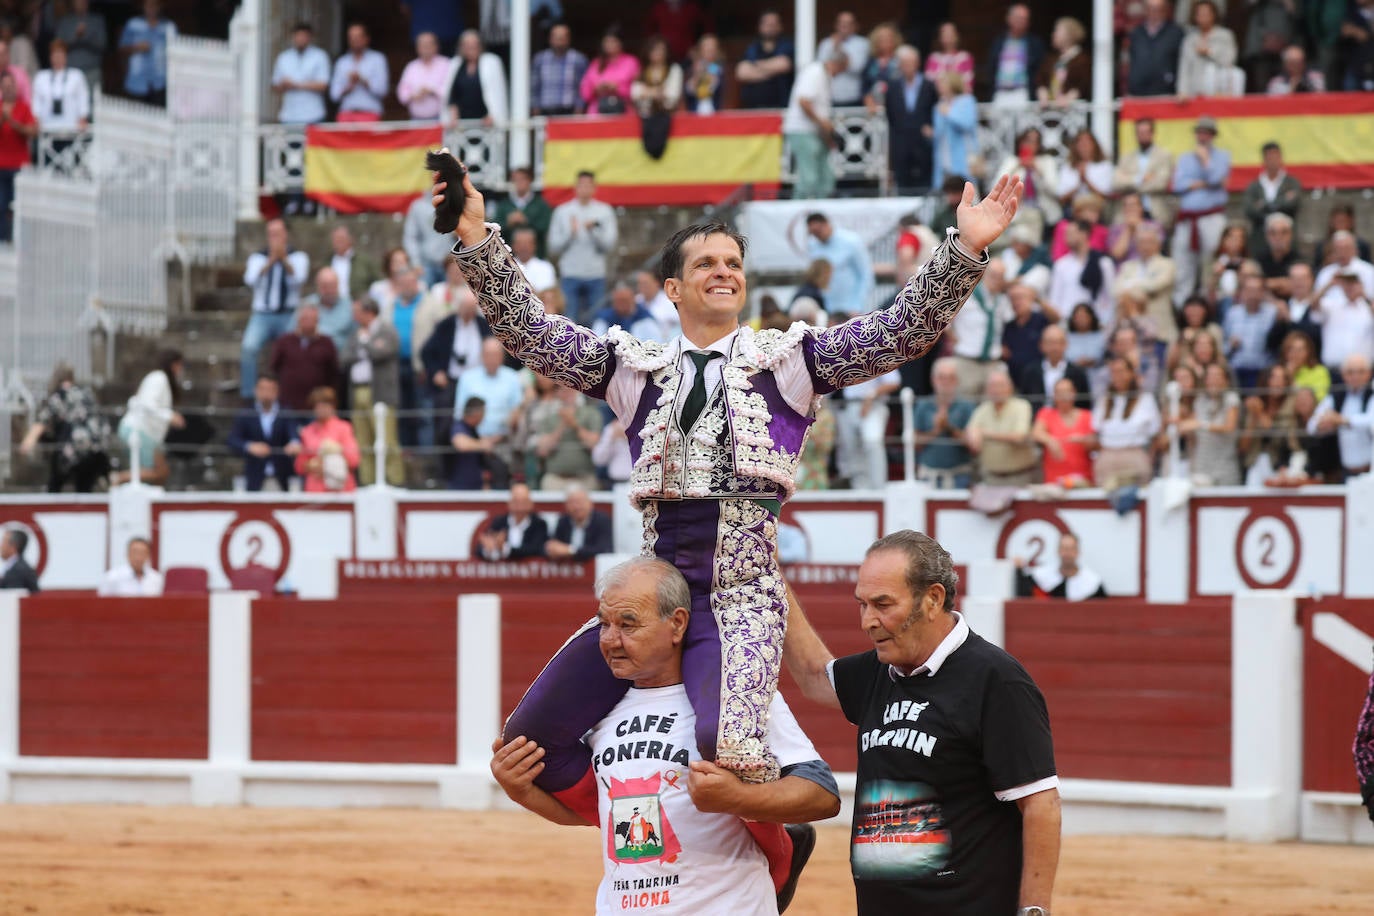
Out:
{"x": 460, "y": 210}
{"x": 980, "y": 224}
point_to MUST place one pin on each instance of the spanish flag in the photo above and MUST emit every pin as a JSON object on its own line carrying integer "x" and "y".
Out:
{"x": 1327, "y": 138}
{"x": 707, "y": 158}
{"x": 368, "y": 171}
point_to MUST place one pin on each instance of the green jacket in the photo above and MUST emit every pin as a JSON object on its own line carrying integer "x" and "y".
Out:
{"x": 537, "y": 214}
{"x": 366, "y": 271}
{"x": 1257, "y": 208}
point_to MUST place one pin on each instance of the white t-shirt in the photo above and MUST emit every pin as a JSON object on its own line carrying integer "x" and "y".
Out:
{"x": 540, "y": 274}
{"x": 663, "y": 856}
{"x": 813, "y": 84}
{"x": 121, "y": 582}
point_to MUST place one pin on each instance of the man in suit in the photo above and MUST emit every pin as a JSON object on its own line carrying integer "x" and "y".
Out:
{"x": 1037, "y": 380}
{"x": 582, "y": 532}
{"x": 1149, "y": 170}
{"x": 910, "y": 105}
{"x": 263, "y": 437}
{"x": 371, "y": 363}
{"x": 15, "y": 572}
{"x": 517, "y": 535}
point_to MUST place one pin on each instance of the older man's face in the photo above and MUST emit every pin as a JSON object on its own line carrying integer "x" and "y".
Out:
{"x": 636, "y": 642}
{"x": 138, "y": 556}
{"x": 579, "y": 507}
{"x": 889, "y": 614}
{"x": 998, "y": 388}
{"x": 1355, "y": 373}
{"x": 519, "y": 503}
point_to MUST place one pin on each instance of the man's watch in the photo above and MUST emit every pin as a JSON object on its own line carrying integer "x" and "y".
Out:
{"x": 1032, "y": 911}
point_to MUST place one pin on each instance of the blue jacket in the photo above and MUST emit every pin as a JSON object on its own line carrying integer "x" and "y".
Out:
{"x": 246, "y": 430}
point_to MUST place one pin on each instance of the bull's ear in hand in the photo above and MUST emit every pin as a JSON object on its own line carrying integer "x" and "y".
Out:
{"x": 450, "y": 170}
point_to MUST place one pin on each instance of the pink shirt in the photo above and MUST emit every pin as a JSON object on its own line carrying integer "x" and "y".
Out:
{"x": 315, "y": 435}
{"x": 958, "y": 62}
{"x": 621, "y": 71}
{"x": 420, "y": 75}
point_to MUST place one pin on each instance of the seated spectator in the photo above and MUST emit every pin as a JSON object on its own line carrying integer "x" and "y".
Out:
{"x": 813, "y": 473}
{"x": 135, "y": 578}
{"x": 71, "y": 421}
{"x": 1027, "y": 261}
{"x": 335, "y": 310}
{"x": 301, "y": 75}
{"x": 1276, "y": 255}
{"x": 1130, "y": 316}
{"x": 473, "y": 449}
{"x": 1065, "y": 76}
{"x": 765, "y": 73}
{"x": 144, "y": 45}
{"x": 424, "y": 79}
{"x": 427, "y": 250}
{"x": 518, "y": 533}
{"x": 1301, "y": 363}
{"x": 881, "y": 68}
{"x": 303, "y": 360}
{"x": 1203, "y": 351}
{"x": 1037, "y": 379}
{"x": 976, "y": 332}
{"x": 1065, "y": 579}
{"x": 476, "y": 87}
{"x": 942, "y": 458}
{"x": 1215, "y": 426}
{"x": 1148, "y": 282}
{"x": 1021, "y": 335}
{"x": 1232, "y": 250}
{"x": 361, "y": 80}
{"x": 15, "y": 571}
{"x": 1154, "y": 46}
{"x": 265, "y": 439}
{"x": 952, "y": 190}
{"x": 1343, "y": 297}
{"x": 705, "y": 82}
{"x": 1129, "y": 341}
{"x": 1294, "y": 311}
{"x": 1294, "y": 75}
{"x": 1197, "y": 319}
{"x": 439, "y": 302}
{"x": 84, "y": 34}
{"x": 999, "y": 434}
{"x": 1087, "y": 342}
{"x": 501, "y": 390}
{"x": 1130, "y": 218}
{"x": 1087, "y": 171}
{"x": 611, "y": 454}
{"x": 582, "y": 531}
{"x": 948, "y": 57}
{"x": 1273, "y": 191}
{"x": 1322, "y": 451}
{"x": 606, "y": 85}
{"x": 556, "y": 76}
{"x": 329, "y": 455}
{"x": 1126, "y": 419}
{"x": 17, "y": 128}
{"x": 455, "y": 345}
{"x": 657, "y": 89}
{"x": 563, "y": 441}
{"x": 1065, "y": 431}
{"x": 1207, "y": 55}
{"x": 1083, "y": 274}
{"x": 861, "y": 413}
{"x": 525, "y": 206}
{"x": 275, "y": 276}
{"x": 649, "y": 293}
{"x": 955, "y": 128}
{"x": 541, "y": 274}
{"x": 1270, "y": 435}
{"x": 1340, "y": 219}
{"x": 1038, "y": 170}
{"x": 1345, "y": 413}
{"x": 814, "y": 283}
{"x": 61, "y": 98}
{"x": 1085, "y": 208}
{"x": 628, "y": 314}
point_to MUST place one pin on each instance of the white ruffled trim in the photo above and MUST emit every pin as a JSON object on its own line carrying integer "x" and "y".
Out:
{"x": 763, "y": 350}
{"x": 640, "y": 355}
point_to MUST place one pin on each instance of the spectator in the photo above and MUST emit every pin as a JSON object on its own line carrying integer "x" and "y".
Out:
{"x": 540, "y": 273}
{"x": 1148, "y": 281}
{"x": 328, "y": 454}
{"x": 453, "y": 345}
{"x": 275, "y": 275}
{"x": 84, "y": 34}
{"x": 630, "y": 316}
{"x": 354, "y": 271}
{"x": 808, "y": 130}
{"x": 1015, "y": 59}
{"x": 1277, "y": 256}
{"x": 950, "y": 58}
{"x": 1272, "y": 191}
{"x": 1086, "y": 340}
{"x": 518, "y": 534}
{"x": 15, "y": 571}
{"x": 945, "y": 219}
{"x": 148, "y": 414}
{"x": 1294, "y": 77}
{"x": 1270, "y": 435}
{"x": 1344, "y": 313}
{"x": 1229, "y": 265}
{"x": 17, "y": 128}
{"x": 612, "y": 457}
{"x": 706, "y": 82}
{"x": 942, "y": 458}
{"x": 336, "y": 312}
{"x": 910, "y": 107}
{"x": 563, "y": 441}
{"x": 1065, "y": 579}
{"x": 1203, "y": 351}
{"x": 472, "y": 448}
{"x": 424, "y": 80}
{"x": 1200, "y": 180}
{"x": 582, "y": 531}
{"x": 1133, "y": 342}
{"x": 657, "y": 89}
{"x": 1086, "y": 208}
{"x": 1154, "y": 49}
{"x": 556, "y": 77}
{"x": 1126, "y": 420}
{"x": 916, "y": 245}
{"x": 414, "y": 429}
{"x": 956, "y": 128}
{"x": 680, "y": 22}
{"x": 649, "y": 294}
{"x": 851, "y": 279}
{"x": 976, "y": 332}
{"x": 847, "y": 88}
{"x": 582, "y": 235}
{"x": 1088, "y": 169}
{"x": 1039, "y": 173}
{"x": 999, "y": 433}
{"x": 605, "y": 87}
{"x": 1345, "y": 413}
{"x": 1121, "y": 236}
{"x": 61, "y": 98}
{"x": 1026, "y": 261}
{"x": 861, "y": 431}
{"x": 136, "y": 578}
{"x": 813, "y": 473}
{"x": 1067, "y": 77}
{"x": 813, "y": 285}
{"x": 1021, "y": 335}
{"x": 361, "y": 79}
{"x": 476, "y": 86}
{"x": 501, "y": 392}
{"x": 1149, "y": 171}
{"x": 1083, "y": 275}
{"x": 1340, "y": 219}
{"x": 1215, "y": 428}
{"x": 765, "y": 73}
{"x": 301, "y": 75}
{"x": 881, "y": 69}
{"x": 264, "y": 438}
{"x": 144, "y": 45}
{"x": 70, "y": 419}
{"x": 1065, "y": 432}
{"x": 1356, "y": 30}
{"x": 1270, "y": 27}
{"x": 304, "y": 360}
{"x": 1037, "y": 379}
{"x": 539, "y": 403}
{"x": 525, "y": 207}
{"x": 396, "y": 263}
{"x": 1197, "y": 319}
{"x": 371, "y": 363}
{"x": 426, "y": 249}
{"x": 1207, "y": 56}
{"x": 1301, "y": 363}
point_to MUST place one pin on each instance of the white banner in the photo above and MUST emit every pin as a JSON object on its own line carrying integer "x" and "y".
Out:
{"x": 776, "y": 229}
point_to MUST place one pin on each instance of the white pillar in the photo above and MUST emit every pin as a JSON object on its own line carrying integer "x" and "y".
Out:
{"x": 9, "y": 685}
{"x": 804, "y": 30}
{"x": 1359, "y": 537}
{"x": 519, "y": 148}
{"x": 1104, "y": 68}
{"x": 231, "y": 700}
{"x": 987, "y": 617}
{"x": 1166, "y": 535}
{"x": 479, "y": 679}
{"x": 904, "y": 506}
{"x": 246, "y": 41}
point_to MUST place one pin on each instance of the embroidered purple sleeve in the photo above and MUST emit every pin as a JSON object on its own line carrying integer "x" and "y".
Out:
{"x": 866, "y": 346}
{"x": 550, "y": 345}
{"x": 1364, "y": 751}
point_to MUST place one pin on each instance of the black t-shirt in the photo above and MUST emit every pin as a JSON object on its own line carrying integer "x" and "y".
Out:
{"x": 929, "y": 832}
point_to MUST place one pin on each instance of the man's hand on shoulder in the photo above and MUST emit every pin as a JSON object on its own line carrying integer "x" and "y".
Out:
{"x": 714, "y": 790}
{"x": 515, "y": 765}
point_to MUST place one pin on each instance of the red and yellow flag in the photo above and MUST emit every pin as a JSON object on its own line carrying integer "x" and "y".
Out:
{"x": 707, "y": 158}
{"x": 1327, "y": 138}
{"x": 365, "y": 170}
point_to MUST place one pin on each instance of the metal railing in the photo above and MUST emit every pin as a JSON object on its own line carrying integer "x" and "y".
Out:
{"x": 65, "y": 153}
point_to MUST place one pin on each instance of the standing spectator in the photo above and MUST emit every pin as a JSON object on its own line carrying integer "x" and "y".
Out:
{"x": 540, "y": 273}
{"x": 427, "y": 250}
{"x": 1200, "y": 180}
{"x": 634, "y": 318}
{"x": 1293, "y": 76}
{"x": 1154, "y": 49}
{"x": 1272, "y": 191}
{"x": 556, "y": 76}
{"x": 501, "y": 392}
{"x": 1270, "y": 435}
{"x": 977, "y": 332}
{"x": 453, "y": 345}
{"x": 361, "y": 79}
{"x": 328, "y": 454}
{"x": 1126, "y": 420}
{"x": 1215, "y": 428}
{"x": 881, "y": 68}
{"x": 582, "y": 236}
{"x": 999, "y": 433}
{"x": 301, "y": 75}
{"x": 17, "y": 128}
{"x": 1343, "y": 310}
{"x": 950, "y": 58}
{"x": 148, "y": 414}
{"x": 476, "y": 85}
{"x": 265, "y": 439}
{"x": 1067, "y": 77}
{"x": 605, "y": 87}
{"x": 1021, "y": 335}
{"x": 1229, "y": 265}
{"x": 1277, "y": 257}
{"x": 1037, "y": 380}
{"x": 657, "y": 90}
{"x": 861, "y": 431}
{"x": 424, "y": 79}
{"x": 70, "y": 420}
{"x": 275, "y": 275}
{"x": 1149, "y": 281}
{"x": 563, "y": 441}
{"x": 680, "y": 22}
{"x": 84, "y": 34}
{"x": 1150, "y": 171}
{"x": 1065, "y": 431}
{"x": 942, "y": 458}
{"x": 61, "y": 98}
{"x": 1207, "y": 55}
{"x": 414, "y": 430}
{"x": 706, "y": 80}
{"x": 808, "y": 130}
{"x": 847, "y": 89}
{"x": 518, "y": 534}
{"x": 910, "y": 107}
{"x": 354, "y": 270}
{"x": 1346, "y": 413}
{"x": 1015, "y": 58}
{"x": 471, "y": 447}
{"x": 304, "y": 360}
{"x": 955, "y": 126}
{"x": 582, "y": 532}
{"x": 525, "y": 207}
{"x": 371, "y": 363}
{"x": 396, "y": 263}
{"x": 336, "y": 312}
{"x": 1039, "y": 173}
{"x": 1083, "y": 275}
{"x": 851, "y": 279}
{"x": 136, "y": 578}
{"x": 144, "y": 45}
{"x": 765, "y": 73}
{"x": 1088, "y": 170}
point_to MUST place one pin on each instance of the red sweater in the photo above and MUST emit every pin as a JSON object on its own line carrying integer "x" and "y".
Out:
{"x": 14, "y": 146}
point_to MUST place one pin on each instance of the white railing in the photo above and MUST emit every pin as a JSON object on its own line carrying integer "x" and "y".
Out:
{"x": 203, "y": 104}
{"x": 64, "y": 152}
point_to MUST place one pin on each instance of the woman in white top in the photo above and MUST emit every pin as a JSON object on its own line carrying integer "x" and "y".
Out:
{"x": 658, "y": 88}
{"x": 474, "y": 67}
{"x": 1207, "y": 55}
{"x": 1126, "y": 420}
{"x": 1087, "y": 170}
{"x": 150, "y": 412}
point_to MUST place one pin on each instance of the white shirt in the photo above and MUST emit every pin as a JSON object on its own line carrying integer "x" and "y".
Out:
{"x": 813, "y": 84}
{"x": 1347, "y": 327}
{"x": 612, "y": 452}
{"x": 301, "y": 106}
{"x": 540, "y": 274}
{"x": 343, "y": 266}
{"x": 1067, "y": 290}
{"x": 1355, "y": 440}
{"x": 1336, "y": 296}
{"x": 467, "y": 348}
{"x": 665, "y": 313}
{"x": 1270, "y": 187}
{"x": 1052, "y": 375}
{"x": 121, "y": 582}
{"x": 978, "y": 326}
{"x": 275, "y": 289}
{"x": 1115, "y": 430}
{"x": 67, "y": 86}
{"x": 849, "y": 84}
{"x": 1100, "y": 175}
{"x": 150, "y": 409}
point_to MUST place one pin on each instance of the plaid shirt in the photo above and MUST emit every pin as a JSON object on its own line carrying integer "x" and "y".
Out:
{"x": 554, "y": 80}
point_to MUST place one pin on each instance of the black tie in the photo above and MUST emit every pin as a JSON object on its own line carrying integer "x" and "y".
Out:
{"x": 696, "y": 398}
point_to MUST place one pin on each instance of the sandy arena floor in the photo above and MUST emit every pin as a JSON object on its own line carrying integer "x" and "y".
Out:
{"x": 109, "y": 860}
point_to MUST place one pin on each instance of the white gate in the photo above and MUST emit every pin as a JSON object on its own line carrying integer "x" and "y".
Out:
{"x": 203, "y": 104}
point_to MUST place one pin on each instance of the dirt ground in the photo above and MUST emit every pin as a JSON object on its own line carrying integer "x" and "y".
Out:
{"x": 227, "y": 862}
